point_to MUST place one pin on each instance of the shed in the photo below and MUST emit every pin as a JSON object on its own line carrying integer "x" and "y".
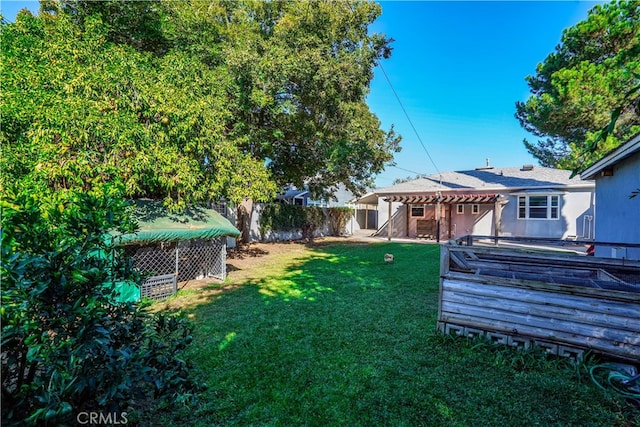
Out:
{"x": 169, "y": 248}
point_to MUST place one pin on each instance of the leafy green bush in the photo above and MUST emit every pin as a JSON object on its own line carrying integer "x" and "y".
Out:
{"x": 283, "y": 217}
{"x": 338, "y": 218}
{"x": 66, "y": 346}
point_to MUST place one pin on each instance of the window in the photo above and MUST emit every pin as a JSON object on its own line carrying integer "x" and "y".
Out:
{"x": 538, "y": 207}
{"x": 220, "y": 207}
{"x": 475, "y": 209}
{"x": 417, "y": 210}
{"x": 318, "y": 203}
{"x": 460, "y": 209}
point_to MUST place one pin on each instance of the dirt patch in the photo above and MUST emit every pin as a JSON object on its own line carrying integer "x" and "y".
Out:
{"x": 243, "y": 260}
{"x": 249, "y": 255}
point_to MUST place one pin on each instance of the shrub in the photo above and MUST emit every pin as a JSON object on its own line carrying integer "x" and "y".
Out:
{"x": 338, "y": 218}
{"x": 283, "y": 217}
{"x": 67, "y": 347}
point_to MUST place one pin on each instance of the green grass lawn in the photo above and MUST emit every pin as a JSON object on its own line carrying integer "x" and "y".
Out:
{"x": 333, "y": 336}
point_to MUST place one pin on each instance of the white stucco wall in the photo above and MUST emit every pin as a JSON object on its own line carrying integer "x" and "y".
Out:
{"x": 480, "y": 224}
{"x": 398, "y": 214}
{"x": 576, "y": 206}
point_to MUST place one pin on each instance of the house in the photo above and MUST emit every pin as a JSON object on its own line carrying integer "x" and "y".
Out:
{"x": 617, "y": 216}
{"x": 528, "y": 201}
{"x": 293, "y": 196}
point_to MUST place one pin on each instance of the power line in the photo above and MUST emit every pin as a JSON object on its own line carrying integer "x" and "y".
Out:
{"x": 408, "y": 118}
{"x": 407, "y": 170}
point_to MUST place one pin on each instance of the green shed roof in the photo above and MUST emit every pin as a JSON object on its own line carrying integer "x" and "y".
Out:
{"x": 156, "y": 224}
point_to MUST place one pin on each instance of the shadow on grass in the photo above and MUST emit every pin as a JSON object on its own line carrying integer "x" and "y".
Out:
{"x": 246, "y": 251}
{"x": 324, "y": 268}
{"x": 333, "y": 335}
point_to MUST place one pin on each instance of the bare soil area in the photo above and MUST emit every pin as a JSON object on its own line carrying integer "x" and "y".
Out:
{"x": 245, "y": 259}
{"x": 252, "y": 254}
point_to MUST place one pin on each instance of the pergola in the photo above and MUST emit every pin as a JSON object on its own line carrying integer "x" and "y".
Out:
{"x": 438, "y": 199}
{"x": 444, "y": 199}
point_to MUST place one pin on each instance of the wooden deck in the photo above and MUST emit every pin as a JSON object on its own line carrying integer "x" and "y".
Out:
{"x": 563, "y": 302}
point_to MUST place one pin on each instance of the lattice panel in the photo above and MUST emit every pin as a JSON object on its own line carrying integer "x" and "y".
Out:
{"x": 159, "y": 287}
{"x": 199, "y": 259}
{"x": 155, "y": 259}
{"x": 573, "y": 353}
{"x": 165, "y": 264}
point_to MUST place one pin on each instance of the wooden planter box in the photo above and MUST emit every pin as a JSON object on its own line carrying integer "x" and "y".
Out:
{"x": 567, "y": 304}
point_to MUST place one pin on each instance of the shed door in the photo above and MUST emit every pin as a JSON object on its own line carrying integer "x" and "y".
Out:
{"x": 367, "y": 219}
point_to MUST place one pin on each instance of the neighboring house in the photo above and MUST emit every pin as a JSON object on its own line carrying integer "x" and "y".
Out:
{"x": 530, "y": 201}
{"x": 293, "y": 196}
{"x": 617, "y": 179}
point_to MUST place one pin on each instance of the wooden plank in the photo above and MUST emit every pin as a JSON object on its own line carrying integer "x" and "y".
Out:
{"x": 569, "y": 270}
{"x": 444, "y": 260}
{"x": 610, "y": 295}
{"x": 616, "y": 348}
{"x": 460, "y": 261}
{"x": 551, "y": 326}
{"x": 548, "y": 257}
{"x": 586, "y": 314}
{"x": 508, "y": 294}
{"x": 534, "y": 269}
{"x": 444, "y": 269}
{"x": 604, "y": 275}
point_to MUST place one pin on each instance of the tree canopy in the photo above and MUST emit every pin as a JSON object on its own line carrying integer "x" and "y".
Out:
{"x": 590, "y": 79}
{"x": 192, "y": 101}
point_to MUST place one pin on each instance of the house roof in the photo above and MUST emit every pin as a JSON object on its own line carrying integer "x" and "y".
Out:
{"x": 613, "y": 157}
{"x": 291, "y": 193}
{"x": 489, "y": 179}
{"x": 370, "y": 198}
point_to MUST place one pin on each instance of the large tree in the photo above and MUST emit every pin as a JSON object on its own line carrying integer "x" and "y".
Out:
{"x": 592, "y": 73}
{"x": 79, "y": 111}
{"x": 193, "y": 101}
{"x": 301, "y": 71}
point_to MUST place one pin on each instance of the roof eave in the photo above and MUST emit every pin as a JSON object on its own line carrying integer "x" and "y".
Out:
{"x": 622, "y": 152}
{"x": 487, "y": 189}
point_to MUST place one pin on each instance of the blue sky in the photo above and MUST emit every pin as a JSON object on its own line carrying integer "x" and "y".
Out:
{"x": 10, "y": 8}
{"x": 458, "y": 68}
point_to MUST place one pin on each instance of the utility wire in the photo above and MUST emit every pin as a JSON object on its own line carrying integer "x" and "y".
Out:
{"x": 408, "y": 118}
{"x": 407, "y": 170}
